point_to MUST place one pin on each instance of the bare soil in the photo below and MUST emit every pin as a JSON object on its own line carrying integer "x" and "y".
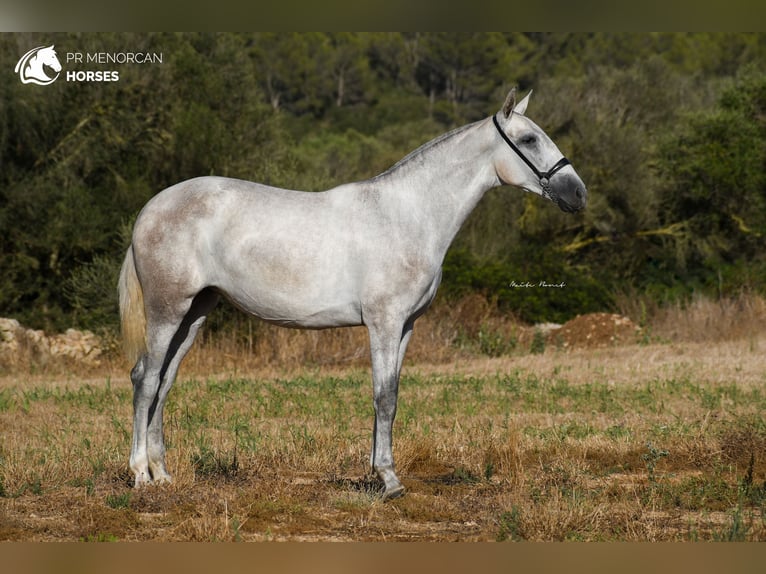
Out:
{"x": 596, "y": 330}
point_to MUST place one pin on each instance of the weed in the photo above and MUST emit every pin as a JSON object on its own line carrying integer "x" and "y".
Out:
{"x": 538, "y": 343}
{"x": 710, "y": 398}
{"x": 493, "y": 343}
{"x": 208, "y": 464}
{"x": 737, "y": 530}
{"x": 489, "y": 470}
{"x": 100, "y": 537}
{"x": 748, "y": 492}
{"x": 236, "y": 525}
{"x": 645, "y": 336}
{"x": 35, "y": 486}
{"x": 98, "y": 465}
{"x": 651, "y": 458}
{"x": 6, "y": 399}
{"x": 746, "y": 484}
{"x": 510, "y": 526}
{"x": 119, "y": 426}
{"x": 302, "y": 437}
{"x": 462, "y": 475}
{"x": 618, "y": 431}
{"x": 696, "y": 494}
{"x": 692, "y": 535}
{"x": 118, "y": 500}
{"x": 90, "y": 487}
{"x": 243, "y": 435}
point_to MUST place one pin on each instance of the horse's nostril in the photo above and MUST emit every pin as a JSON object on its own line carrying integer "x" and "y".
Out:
{"x": 579, "y": 192}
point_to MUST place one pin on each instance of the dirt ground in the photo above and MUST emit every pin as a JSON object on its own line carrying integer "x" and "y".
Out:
{"x": 600, "y": 437}
{"x": 595, "y": 330}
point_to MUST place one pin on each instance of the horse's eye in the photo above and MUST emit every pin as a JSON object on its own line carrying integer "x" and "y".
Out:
{"x": 528, "y": 139}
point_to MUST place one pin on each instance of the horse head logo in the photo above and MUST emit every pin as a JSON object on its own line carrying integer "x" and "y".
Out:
{"x": 31, "y": 68}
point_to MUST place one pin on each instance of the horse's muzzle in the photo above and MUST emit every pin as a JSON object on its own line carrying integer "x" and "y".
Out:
{"x": 569, "y": 193}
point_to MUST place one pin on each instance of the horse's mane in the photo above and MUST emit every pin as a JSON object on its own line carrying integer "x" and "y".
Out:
{"x": 426, "y": 147}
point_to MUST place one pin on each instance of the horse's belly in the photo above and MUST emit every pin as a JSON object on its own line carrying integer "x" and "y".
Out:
{"x": 291, "y": 279}
{"x": 296, "y": 307}
{"x": 325, "y": 319}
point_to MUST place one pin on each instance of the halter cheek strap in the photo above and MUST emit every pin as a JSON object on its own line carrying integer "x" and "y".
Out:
{"x": 544, "y": 177}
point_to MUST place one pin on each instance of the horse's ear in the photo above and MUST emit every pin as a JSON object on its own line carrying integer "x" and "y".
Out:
{"x": 521, "y": 107}
{"x": 510, "y": 102}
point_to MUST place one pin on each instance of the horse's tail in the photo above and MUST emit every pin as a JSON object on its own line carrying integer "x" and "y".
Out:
{"x": 132, "y": 313}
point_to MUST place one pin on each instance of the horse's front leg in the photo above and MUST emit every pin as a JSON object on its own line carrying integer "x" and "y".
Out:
{"x": 387, "y": 347}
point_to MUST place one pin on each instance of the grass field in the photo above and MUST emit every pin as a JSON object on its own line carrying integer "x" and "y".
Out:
{"x": 640, "y": 442}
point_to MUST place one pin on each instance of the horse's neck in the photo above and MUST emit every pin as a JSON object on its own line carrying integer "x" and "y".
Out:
{"x": 439, "y": 187}
{"x": 35, "y": 65}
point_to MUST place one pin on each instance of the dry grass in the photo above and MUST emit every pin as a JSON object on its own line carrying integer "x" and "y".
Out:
{"x": 447, "y": 331}
{"x": 654, "y": 441}
{"x": 701, "y": 319}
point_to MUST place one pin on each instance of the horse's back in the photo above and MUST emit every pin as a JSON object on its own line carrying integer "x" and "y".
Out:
{"x": 203, "y": 196}
{"x": 211, "y": 206}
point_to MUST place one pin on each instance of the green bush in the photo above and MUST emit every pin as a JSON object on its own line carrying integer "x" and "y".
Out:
{"x": 535, "y": 287}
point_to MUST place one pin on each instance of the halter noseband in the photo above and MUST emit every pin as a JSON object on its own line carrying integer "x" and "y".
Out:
{"x": 544, "y": 177}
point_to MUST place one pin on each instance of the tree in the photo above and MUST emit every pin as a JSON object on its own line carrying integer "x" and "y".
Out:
{"x": 349, "y": 67}
{"x": 714, "y": 182}
{"x": 671, "y": 151}
{"x": 466, "y": 70}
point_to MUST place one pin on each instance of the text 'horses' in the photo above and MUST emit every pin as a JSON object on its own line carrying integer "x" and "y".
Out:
{"x": 365, "y": 253}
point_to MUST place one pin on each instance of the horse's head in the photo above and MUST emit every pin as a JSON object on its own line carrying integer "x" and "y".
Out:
{"x": 48, "y": 57}
{"x": 533, "y": 162}
{"x": 31, "y": 66}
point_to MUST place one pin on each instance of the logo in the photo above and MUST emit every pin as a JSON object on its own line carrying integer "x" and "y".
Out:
{"x": 41, "y": 65}
{"x": 32, "y": 67}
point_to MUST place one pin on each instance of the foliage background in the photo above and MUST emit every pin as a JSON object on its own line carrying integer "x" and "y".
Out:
{"x": 667, "y": 129}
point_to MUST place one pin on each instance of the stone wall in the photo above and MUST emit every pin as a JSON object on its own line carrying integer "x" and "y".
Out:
{"x": 18, "y": 344}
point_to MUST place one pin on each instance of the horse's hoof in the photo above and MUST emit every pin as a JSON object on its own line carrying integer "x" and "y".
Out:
{"x": 391, "y": 493}
{"x": 161, "y": 476}
{"x": 142, "y": 479}
{"x": 392, "y": 488}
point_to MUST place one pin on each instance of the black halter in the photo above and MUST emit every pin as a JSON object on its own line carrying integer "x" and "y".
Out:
{"x": 544, "y": 177}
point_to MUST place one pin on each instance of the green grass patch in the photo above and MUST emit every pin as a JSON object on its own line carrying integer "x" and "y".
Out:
{"x": 118, "y": 500}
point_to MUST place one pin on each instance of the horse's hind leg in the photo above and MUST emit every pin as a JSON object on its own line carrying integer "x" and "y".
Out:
{"x": 182, "y": 341}
{"x": 146, "y": 384}
{"x": 169, "y": 339}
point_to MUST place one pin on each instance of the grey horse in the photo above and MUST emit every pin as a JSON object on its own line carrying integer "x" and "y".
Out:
{"x": 365, "y": 253}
